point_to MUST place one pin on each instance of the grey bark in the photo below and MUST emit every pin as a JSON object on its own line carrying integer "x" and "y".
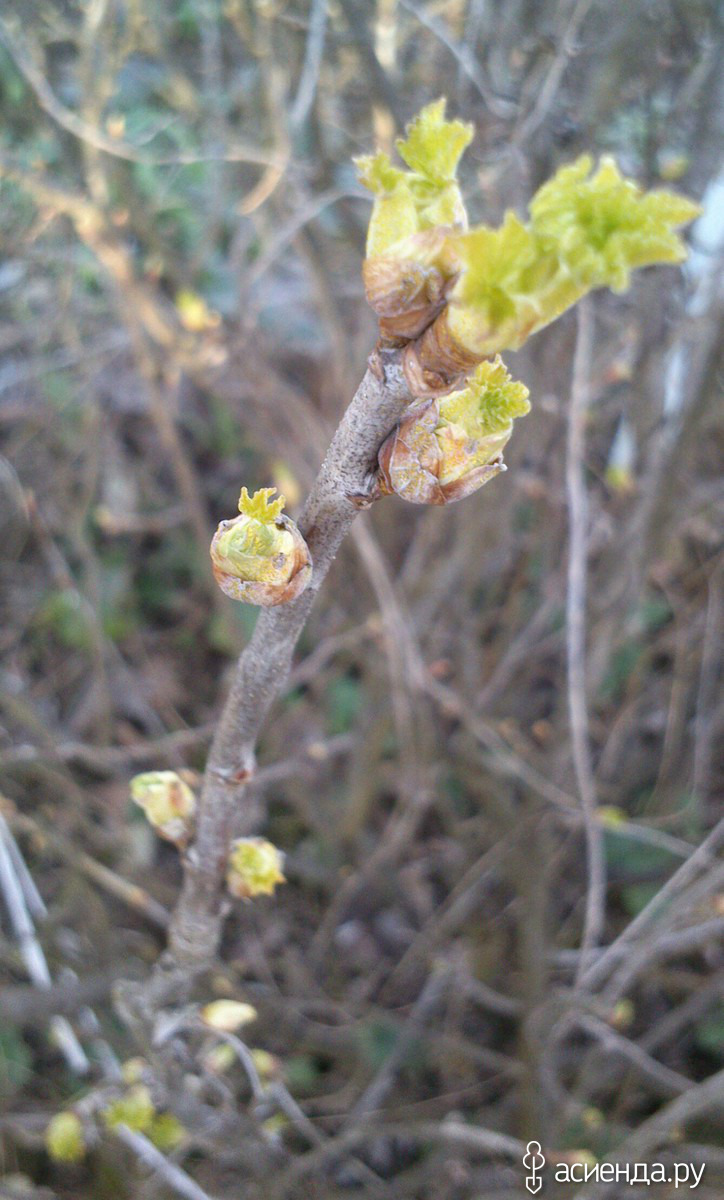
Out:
{"x": 263, "y": 667}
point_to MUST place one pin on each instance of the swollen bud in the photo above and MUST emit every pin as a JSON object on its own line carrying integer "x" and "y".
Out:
{"x": 254, "y": 868}
{"x": 64, "y": 1138}
{"x": 168, "y": 802}
{"x": 260, "y": 557}
{"x": 444, "y": 449}
{"x": 410, "y": 262}
{"x": 228, "y": 1015}
{"x": 134, "y": 1108}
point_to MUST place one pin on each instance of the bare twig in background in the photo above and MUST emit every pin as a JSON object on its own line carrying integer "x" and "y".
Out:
{"x": 702, "y": 858}
{"x": 376, "y": 1091}
{"x": 13, "y": 886}
{"x": 595, "y": 916}
{"x": 658, "y": 1128}
{"x": 313, "y": 50}
{"x": 171, "y": 1174}
{"x": 110, "y": 881}
{"x": 498, "y": 105}
{"x": 545, "y": 94}
{"x": 100, "y": 141}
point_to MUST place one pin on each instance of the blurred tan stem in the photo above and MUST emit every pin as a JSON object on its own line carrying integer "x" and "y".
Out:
{"x": 577, "y": 498}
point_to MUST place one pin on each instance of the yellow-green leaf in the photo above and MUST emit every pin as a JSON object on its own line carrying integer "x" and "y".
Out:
{"x": 433, "y": 146}
{"x": 602, "y": 225}
{"x": 489, "y": 401}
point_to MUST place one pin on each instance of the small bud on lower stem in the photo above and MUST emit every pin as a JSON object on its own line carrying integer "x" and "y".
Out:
{"x": 260, "y": 557}
{"x": 254, "y": 869}
{"x": 168, "y": 802}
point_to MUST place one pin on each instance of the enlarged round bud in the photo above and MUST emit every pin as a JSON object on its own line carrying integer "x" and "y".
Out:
{"x": 228, "y": 1015}
{"x": 260, "y": 557}
{"x": 168, "y": 802}
{"x": 445, "y": 448}
{"x": 64, "y": 1138}
{"x": 410, "y": 259}
{"x": 166, "y": 1132}
{"x": 134, "y": 1108}
{"x": 254, "y": 869}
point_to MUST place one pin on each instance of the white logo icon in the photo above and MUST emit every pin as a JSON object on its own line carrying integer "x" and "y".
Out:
{"x": 534, "y": 1161}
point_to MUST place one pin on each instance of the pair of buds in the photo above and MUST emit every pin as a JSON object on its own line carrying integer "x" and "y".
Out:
{"x": 254, "y": 865}
{"x": 443, "y": 449}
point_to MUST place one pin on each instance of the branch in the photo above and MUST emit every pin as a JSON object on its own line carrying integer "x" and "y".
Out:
{"x": 172, "y": 1175}
{"x": 658, "y": 1129}
{"x": 264, "y": 666}
{"x": 80, "y": 129}
{"x": 576, "y": 633}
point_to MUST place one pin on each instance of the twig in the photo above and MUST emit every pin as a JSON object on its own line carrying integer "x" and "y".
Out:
{"x": 80, "y": 129}
{"x": 655, "y": 1130}
{"x": 594, "y": 975}
{"x": 171, "y": 1174}
{"x": 471, "y": 1137}
{"x": 110, "y": 759}
{"x": 503, "y": 760}
{"x": 32, "y": 953}
{"x": 498, "y": 105}
{"x": 279, "y": 242}
{"x": 263, "y": 668}
{"x": 682, "y": 941}
{"x": 313, "y": 52}
{"x": 576, "y": 634}
{"x": 451, "y": 913}
{"x": 684, "y": 1015}
{"x": 374, "y": 1094}
{"x": 545, "y": 94}
{"x": 129, "y": 893}
{"x": 704, "y": 724}
{"x": 668, "y": 1081}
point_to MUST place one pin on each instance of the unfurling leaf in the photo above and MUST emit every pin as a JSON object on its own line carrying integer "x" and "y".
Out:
{"x": 433, "y": 146}
{"x": 458, "y": 296}
{"x": 586, "y": 230}
{"x": 601, "y": 226}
